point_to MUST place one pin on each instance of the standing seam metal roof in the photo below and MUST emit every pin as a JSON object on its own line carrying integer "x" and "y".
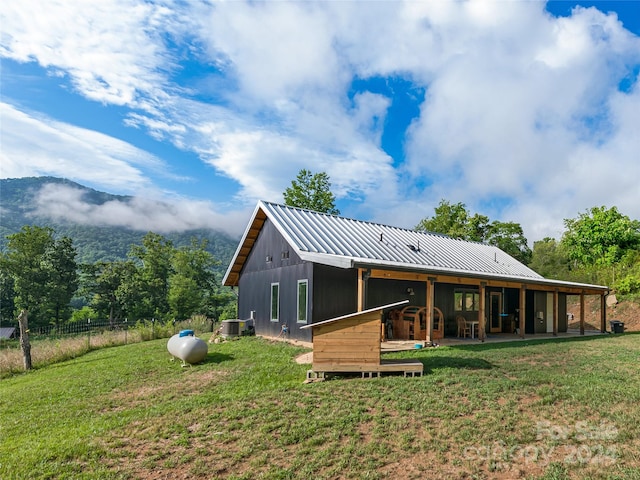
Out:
{"x": 346, "y": 243}
{"x": 361, "y": 241}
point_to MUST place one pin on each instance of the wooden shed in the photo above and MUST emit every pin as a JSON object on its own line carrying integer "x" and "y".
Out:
{"x": 351, "y": 343}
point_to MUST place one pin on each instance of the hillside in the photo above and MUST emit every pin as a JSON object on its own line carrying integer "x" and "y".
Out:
{"x": 18, "y": 207}
{"x": 625, "y": 311}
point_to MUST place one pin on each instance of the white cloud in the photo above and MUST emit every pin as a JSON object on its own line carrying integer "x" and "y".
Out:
{"x": 111, "y": 50}
{"x": 62, "y": 202}
{"x": 519, "y": 105}
{"x": 65, "y": 150}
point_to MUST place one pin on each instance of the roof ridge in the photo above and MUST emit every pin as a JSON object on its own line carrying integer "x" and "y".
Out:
{"x": 379, "y": 224}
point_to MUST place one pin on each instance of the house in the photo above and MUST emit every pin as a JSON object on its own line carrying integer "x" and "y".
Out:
{"x": 7, "y": 333}
{"x": 295, "y": 267}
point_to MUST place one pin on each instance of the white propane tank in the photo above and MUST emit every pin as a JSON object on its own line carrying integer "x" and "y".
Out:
{"x": 187, "y": 347}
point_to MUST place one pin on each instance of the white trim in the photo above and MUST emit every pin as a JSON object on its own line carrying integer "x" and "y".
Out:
{"x": 277, "y": 319}
{"x": 304, "y": 281}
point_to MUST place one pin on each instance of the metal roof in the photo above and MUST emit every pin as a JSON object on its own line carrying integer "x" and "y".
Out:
{"x": 347, "y": 243}
{"x": 7, "y": 332}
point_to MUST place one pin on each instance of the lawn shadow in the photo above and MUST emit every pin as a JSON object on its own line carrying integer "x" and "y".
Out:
{"x": 528, "y": 342}
{"x": 436, "y": 363}
{"x": 80, "y": 358}
{"x": 216, "y": 357}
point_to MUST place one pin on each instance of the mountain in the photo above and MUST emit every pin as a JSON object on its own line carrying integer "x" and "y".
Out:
{"x": 19, "y": 206}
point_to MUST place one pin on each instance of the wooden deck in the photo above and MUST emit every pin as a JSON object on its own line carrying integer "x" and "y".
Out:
{"x": 408, "y": 367}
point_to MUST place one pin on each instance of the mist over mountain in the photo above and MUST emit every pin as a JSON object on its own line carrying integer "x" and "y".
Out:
{"x": 104, "y": 226}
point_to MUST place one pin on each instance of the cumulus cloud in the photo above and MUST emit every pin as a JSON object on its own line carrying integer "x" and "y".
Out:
{"x": 61, "y": 202}
{"x": 112, "y": 51}
{"x": 64, "y": 150}
{"x": 523, "y": 118}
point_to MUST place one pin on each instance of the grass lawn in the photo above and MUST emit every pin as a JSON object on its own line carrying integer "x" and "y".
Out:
{"x": 542, "y": 409}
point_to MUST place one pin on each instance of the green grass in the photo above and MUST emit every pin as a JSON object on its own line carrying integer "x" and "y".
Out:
{"x": 542, "y": 409}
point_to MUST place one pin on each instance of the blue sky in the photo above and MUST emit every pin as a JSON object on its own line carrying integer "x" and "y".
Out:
{"x": 524, "y": 111}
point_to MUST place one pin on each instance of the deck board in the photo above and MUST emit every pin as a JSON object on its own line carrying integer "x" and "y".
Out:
{"x": 408, "y": 367}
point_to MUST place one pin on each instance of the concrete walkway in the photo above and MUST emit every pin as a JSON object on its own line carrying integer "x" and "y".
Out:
{"x": 400, "y": 345}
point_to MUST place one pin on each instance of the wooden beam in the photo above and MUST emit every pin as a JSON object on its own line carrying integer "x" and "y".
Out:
{"x": 582, "y": 313}
{"x": 603, "y": 313}
{"x": 489, "y": 282}
{"x": 360, "y": 289}
{"x": 395, "y": 275}
{"x": 555, "y": 313}
{"x": 522, "y": 312}
{"x": 481, "y": 313}
{"x": 429, "y": 311}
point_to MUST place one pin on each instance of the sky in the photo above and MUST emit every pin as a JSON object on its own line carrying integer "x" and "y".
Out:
{"x": 525, "y": 111}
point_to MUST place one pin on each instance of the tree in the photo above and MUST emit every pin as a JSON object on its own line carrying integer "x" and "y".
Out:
{"x": 600, "y": 236}
{"x": 192, "y": 284}
{"x": 311, "y": 191}
{"x": 107, "y": 284}
{"x": 7, "y": 294}
{"x": 62, "y": 281}
{"x": 44, "y": 272}
{"x": 549, "y": 259}
{"x": 23, "y": 261}
{"x": 152, "y": 279}
{"x": 456, "y": 221}
{"x": 509, "y": 237}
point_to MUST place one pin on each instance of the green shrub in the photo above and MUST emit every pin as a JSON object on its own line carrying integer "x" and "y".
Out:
{"x": 628, "y": 285}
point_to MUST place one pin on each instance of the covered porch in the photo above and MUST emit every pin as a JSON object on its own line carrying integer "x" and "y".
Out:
{"x": 443, "y": 308}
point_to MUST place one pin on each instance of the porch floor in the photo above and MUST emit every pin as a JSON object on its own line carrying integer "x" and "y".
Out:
{"x": 399, "y": 345}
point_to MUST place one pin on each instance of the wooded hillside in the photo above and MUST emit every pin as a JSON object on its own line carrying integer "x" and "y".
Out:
{"x": 93, "y": 243}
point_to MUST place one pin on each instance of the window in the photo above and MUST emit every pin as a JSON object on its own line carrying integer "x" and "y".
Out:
{"x": 302, "y": 300}
{"x": 275, "y": 302}
{"x": 466, "y": 301}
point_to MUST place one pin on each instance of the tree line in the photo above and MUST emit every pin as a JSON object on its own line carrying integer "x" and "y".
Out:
{"x": 40, "y": 274}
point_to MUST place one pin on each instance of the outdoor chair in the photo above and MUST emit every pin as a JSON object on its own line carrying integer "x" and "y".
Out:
{"x": 464, "y": 329}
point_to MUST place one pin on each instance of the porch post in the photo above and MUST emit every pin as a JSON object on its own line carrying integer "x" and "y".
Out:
{"x": 603, "y": 313}
{"x": 429, "y": 312}
{"x": 361, "y": 289}
{"x": 555, "y": 312}
{"x": 582, "y": 313}
{"x": 481, "y": 312}
{"x": 521, "y": 313}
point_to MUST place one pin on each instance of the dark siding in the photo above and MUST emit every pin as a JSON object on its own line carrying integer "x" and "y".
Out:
{"x": 444, "y": 300}
{"x": 269, "y": 244}
{"x": 529, "y": 311}
{"x": 540, "y": 306}
{"x": 255, "y": 284}
{"x": 335, "y": 292}
{"x": 562, "y": 312}
{"x": 380, "y": 291}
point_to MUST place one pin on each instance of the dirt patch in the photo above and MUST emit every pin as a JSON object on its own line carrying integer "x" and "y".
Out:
{"x": 305, "y": 358}
{"x": 625, "y": 311}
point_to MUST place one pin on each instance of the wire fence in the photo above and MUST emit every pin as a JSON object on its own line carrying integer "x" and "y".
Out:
{"x": 77, "y": 328}
{"x": 54, "y": 343}
{"x": 100, "y": 326}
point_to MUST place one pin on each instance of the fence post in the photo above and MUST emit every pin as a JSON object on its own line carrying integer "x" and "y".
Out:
{"x": 125, "y": 331}
{"x": 153, "y": 329}
{"x": 89, "y": 334}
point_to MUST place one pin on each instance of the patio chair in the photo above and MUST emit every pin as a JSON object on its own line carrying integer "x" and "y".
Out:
{"x": 464, "y": 329}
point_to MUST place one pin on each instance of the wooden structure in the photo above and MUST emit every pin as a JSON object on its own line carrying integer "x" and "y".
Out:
{"x": 410, "y": 323}
{"x": 351, "y": 343}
